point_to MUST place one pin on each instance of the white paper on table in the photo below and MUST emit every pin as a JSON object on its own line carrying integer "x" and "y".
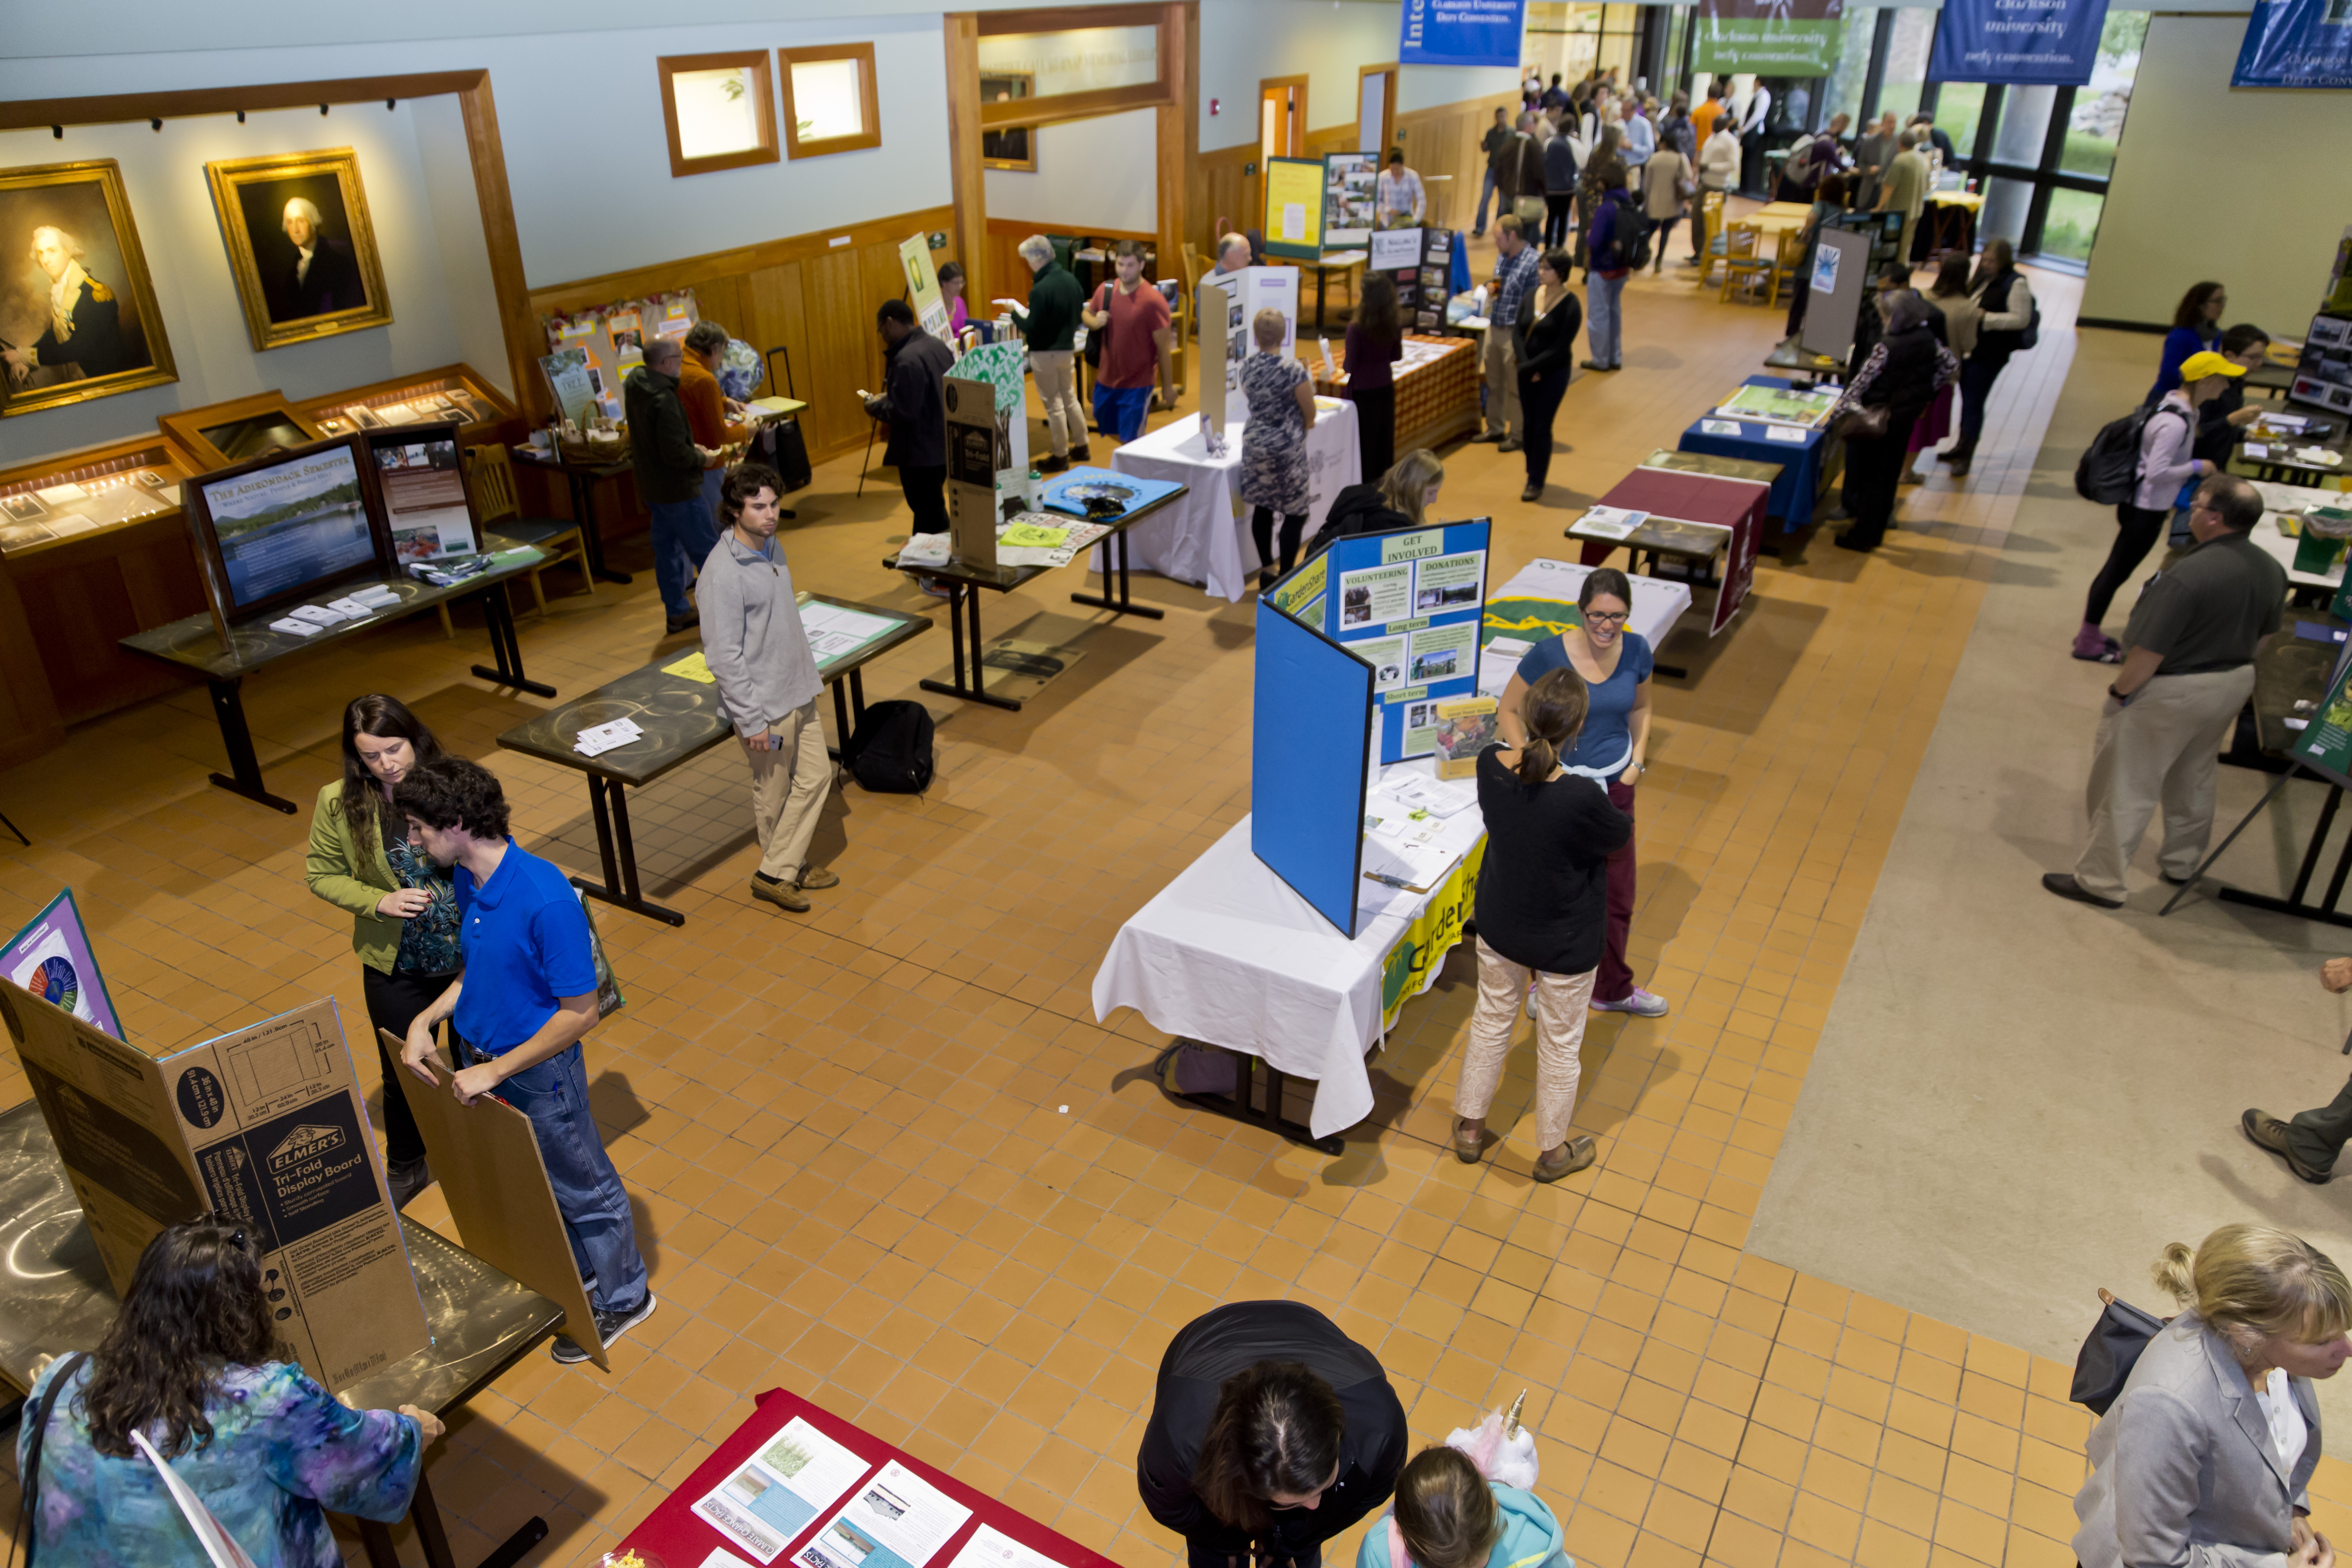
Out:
{"x": 2257, "y": 449}
{"x": 1609, "y": 521}
{"x": 1721, "y": 427}
{"x": 375, "y": 595}
{"x": 353, "y": 607}
{"x": 1512, "y": 649}
{"x": 721, "y": 1558}
{"x": 992, "y": 1548}
{"x": 925, "y": 550}
{"x": 1784, "y": 433}
{"x": 318, "y": 614}
{"x": 293, "y": 627}
{"x": 897, "y": 1520}
{"x": 773, "y": 1495}
{"x": 850, "y": 623}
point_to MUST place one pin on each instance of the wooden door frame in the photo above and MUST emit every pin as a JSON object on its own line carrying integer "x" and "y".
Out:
{"x": 1388, "y": 103}
{"x": 517, "y": 326}
{"x": 1298, "y": 148}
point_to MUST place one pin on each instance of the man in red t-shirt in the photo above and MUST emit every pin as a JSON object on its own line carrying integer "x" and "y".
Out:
{"x": 1139, "y": 341}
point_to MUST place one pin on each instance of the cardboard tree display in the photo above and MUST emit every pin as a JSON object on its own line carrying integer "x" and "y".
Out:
{"x": 485, "y": 1158}
{"x": 972, "y": 435}
{"x": 263, "y": 1126}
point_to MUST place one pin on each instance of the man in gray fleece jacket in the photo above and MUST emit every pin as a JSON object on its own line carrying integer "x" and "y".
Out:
{"x": 768, "y": 685}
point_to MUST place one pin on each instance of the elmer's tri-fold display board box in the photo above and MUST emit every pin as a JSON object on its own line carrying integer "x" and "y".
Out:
{"x": 264, "y": 1126}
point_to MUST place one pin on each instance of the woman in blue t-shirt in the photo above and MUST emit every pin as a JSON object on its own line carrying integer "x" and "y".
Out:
{"x": 2196, "y": 329}
{"x": 1615, "y": 664}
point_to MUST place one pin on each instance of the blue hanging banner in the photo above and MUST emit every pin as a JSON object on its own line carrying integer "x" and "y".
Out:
{"x": 2018, "y": 43}
{"x": 2297, "y": 42}
{"x": 1462, "y": 32}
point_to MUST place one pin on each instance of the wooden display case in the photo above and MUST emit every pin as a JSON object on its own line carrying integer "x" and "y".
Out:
{"x": 452, "y": 393}
{"x": 231, "y": 432}
{"x": 93, "y": 547}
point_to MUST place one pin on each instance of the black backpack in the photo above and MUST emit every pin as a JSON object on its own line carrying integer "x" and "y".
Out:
{"x": 2109, "y": 471}
{"x": 1635, "y": 230}
{"x": 890, "y": 753}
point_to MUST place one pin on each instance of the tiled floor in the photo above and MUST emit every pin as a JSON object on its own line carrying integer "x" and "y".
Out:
{"x": 886, "y": 1155}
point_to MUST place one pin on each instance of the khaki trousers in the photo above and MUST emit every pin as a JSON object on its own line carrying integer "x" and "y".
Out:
{"x": 1057, "y": 386}
{"x": 1562, "y": 1001}
{"x": 2160, "y": 748}
{"x": 1501, "y": 359}
{"x": 788, "y": 790}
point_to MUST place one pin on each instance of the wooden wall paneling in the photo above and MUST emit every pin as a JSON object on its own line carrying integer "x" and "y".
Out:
{"x": 1218, "y": 188}
{"x": 965, "y": 175}
{"x": 1332, "y": 138}
{"x": 776, "y": 315}
{"x": 1178, "y": 147}
{"x": 31, "y": 723}
{"x": 839, "y": 325}
{"x": 1444, "y": 141}
{"x": 686, "y": 272}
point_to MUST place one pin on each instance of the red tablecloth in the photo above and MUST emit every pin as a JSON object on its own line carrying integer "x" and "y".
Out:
{"x": 1735, "y": 504}
{"x": 682, "y": 1539}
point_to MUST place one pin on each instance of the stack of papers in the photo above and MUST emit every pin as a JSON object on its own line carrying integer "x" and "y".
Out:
{"x": 293, "y": 627}
{"x": 1609, "y": 521}
{"x": 1721, "y": 427}
{"x": 1439, "y": 797}
{"x": 834, "y": 632}
{"x": 602, "y": 738}
{"x": 1045, "y": 539}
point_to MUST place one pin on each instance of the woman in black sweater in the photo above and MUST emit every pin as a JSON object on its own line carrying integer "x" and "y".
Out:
{"x": 1542, "y": 907}
{"x": 1906, "y": 369}
{"x": 1547, "y": 332}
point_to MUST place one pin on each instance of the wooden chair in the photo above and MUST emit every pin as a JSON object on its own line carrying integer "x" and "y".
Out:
{"x": 492, "y": 478}
{"x": 1710, "y": 206}
{"x": 1787, "y": 258}
{"x": 1741, "y": 243}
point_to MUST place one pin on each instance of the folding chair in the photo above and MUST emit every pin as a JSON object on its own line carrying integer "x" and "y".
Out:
{"x": 492, "y": 477}
{"x": 1741, "y": 242}
{"x": 1710, "y": 207}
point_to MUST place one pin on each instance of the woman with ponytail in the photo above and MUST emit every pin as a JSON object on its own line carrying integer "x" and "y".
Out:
{"x": 1542, "y": 909}
{"x": 2202, "y": 1460}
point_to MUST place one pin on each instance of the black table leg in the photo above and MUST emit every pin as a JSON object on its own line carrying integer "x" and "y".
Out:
{"x": 14, "y": 829}
{"x": 1240, "y": 1105}
{"x": 957, "y": 631}
{"x": 2293, "y": 904}
{"x": 840, "y": 720}
{"x": 504, "y": 646}
{"x": 1115, "y": 548}
{"x": 584, "y": 506}
{"x": 857, "y": 697}
{"x": 425, "y": 1515}
{"x": 243, "y": 777}
{"x": 619, "y": 855}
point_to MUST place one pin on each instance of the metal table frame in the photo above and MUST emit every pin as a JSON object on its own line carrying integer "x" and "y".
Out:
{"x": 582, "y": 478}
{"x": 964, "y": 584}
{"x": 243, "y": 777}
{"x": 608, "y": 800}
{"x": 1242, "y": 1104}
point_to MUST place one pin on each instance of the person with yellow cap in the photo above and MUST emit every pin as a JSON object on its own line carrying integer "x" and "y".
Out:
{"x": 2167, "y": 465}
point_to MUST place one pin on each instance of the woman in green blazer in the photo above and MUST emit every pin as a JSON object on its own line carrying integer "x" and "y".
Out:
{"x": 404, "y": 913}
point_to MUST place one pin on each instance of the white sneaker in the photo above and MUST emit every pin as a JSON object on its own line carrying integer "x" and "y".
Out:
{"x": 1640, "y": 1003}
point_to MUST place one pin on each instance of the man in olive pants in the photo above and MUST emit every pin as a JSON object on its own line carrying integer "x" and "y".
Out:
{"x": 2309, "y": 1140}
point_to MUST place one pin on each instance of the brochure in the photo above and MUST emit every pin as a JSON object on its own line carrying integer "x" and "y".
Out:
{"x": 771, "y": 1497}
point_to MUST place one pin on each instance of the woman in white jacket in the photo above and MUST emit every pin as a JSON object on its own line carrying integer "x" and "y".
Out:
{"x": 1719, "y": 170}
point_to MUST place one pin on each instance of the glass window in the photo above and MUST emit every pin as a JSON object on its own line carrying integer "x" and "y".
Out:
{"x": 1842, "y": 93}
{"x": 718, "y": 111}
{"x": 2072, "y": 223}
{"x": 1908, "y": 44}
{"x": 1960, "y": 105}
{"x": 827, "y": 100}
{"x": 2098, "y": 117}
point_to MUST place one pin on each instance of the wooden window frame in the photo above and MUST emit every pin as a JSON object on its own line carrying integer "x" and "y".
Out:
{"x": 869, "y": 102}
{"x": 756, "y": 61}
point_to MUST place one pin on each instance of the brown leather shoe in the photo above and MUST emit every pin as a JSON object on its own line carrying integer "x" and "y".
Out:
{"x": 817, "y": 878}
{"x": 1580, "y": 1154}
{"x": 784, "y": 895}
{"x": 2264, "y": 1131}
{"x": 1467, "y": 1150}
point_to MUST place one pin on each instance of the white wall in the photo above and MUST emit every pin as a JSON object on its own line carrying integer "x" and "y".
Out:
{"x": 1433, "y": 87}
{"x": 1091, "y": 174}
{"x": 581, "y": 118}
{"x": 427, "y": 229}
{"x": 2213, "y": 182}
{"x": 1244, "y": 40}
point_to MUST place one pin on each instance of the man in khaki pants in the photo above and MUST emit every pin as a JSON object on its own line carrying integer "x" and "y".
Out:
{"x": 2189, "y": 669}
{"x": 768, "y": 685}
{"x": 1515, "y": 280}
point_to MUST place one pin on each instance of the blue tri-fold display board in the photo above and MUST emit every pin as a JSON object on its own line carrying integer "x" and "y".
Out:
{"x": 1310, "y": 733}
{"x": 1409, "y": 603}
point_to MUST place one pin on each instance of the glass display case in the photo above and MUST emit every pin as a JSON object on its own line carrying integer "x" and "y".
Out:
{"x": 244, "y": 427}
{"x": 86, "y": 493}
{"x": 454, "y": 393}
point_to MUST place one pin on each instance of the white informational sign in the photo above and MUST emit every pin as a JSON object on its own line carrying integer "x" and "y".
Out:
{"x": 1393, "y": 248}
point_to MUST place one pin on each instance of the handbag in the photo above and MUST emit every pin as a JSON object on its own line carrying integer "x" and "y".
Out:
{"x": 2110, "y": 1351}
{"x": 1862, "y": 421}
{"x": 29, "y": 1512}
{"x": 1098, "y": 336}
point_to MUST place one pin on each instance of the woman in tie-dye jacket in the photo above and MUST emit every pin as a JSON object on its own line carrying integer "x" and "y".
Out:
{"x": 190, "y": 1363}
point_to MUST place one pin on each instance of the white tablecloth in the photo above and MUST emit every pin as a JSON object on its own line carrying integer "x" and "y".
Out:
{"x": 1203, "y": 536}
{"x": 1229, "y": 955}
{"x": 1658, "y": 603}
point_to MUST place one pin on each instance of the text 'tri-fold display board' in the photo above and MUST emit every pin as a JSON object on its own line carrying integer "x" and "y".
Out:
{"x": 263, "y": 1126}
{"x": 486, "y": 1159}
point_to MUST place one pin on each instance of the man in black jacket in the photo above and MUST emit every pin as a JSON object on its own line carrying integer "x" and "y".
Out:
{"x": 914, "y": 402}
{"x": 1497, "y": 137}
{"x": 1052, "y": 327}
{"x": 1269, "y": 1352}
{"x": 669, "y": 478}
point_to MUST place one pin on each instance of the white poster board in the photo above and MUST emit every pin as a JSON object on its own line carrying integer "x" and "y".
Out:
{"x": 1394, "y": 249}
{"x": 1248, "y": 292}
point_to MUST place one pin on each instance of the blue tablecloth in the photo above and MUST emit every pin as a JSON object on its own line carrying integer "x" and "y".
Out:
{"x": 1801, "y": 477}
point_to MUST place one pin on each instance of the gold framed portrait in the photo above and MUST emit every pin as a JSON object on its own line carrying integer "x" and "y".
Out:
{"x": 301, "y": 245}
{"x": 78, "y": 316}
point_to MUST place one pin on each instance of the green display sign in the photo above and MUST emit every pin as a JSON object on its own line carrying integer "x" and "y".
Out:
{"x": 2325, "y": 746}
{"x": 1769, "y": 37}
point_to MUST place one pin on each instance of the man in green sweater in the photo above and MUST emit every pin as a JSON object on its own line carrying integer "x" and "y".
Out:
{"x": 1054, "y": 300}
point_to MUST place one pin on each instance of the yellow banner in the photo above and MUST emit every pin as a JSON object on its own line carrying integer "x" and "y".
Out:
{"x": 1294, "y": 208}
{"x": 1410, "y": 966}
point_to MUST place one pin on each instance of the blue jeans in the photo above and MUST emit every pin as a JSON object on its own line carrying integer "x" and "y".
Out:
{"x": 1485, "y": 193}
{"x": 684, "y": 537}
{"x": 1119, "y": 410}
{"x": 1604, "y": 318}
{"x": 588, "y": 1190}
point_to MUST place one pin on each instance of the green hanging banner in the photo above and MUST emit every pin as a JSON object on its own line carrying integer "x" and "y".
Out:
{"x": 1769, "y": 37}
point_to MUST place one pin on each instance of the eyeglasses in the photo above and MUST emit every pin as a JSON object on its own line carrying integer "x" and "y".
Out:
{"x": 1606, "y": 617}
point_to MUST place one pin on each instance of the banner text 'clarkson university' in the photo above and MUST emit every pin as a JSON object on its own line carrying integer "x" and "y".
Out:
{"x": 2029, "y": 43}
{"x": 1769, "y": 37}
{"x": 1460, "y": 32}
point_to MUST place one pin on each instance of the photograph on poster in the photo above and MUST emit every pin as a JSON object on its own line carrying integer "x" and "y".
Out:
{"x": 1448, "y": 582}
{"x": 1375, "y": 596}
{"x": 301, "y": 245}
{"x": 425, "y": 497}
{"x": 78, "y": 316}
{"x": 1386, "y": 656}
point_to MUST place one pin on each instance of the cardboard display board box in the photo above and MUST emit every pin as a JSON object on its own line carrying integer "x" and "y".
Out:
{"x": 264, "y": 1126}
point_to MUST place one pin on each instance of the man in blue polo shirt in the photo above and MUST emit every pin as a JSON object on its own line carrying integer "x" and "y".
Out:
{"x": 525, "y": 995}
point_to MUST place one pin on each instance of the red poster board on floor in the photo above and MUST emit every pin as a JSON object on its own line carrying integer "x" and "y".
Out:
{"x": 681, "y": 1538}
{"x": 1735, "y": 504}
